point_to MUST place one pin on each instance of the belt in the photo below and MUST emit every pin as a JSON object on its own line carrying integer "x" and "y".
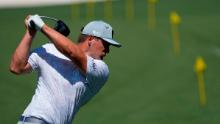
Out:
{"x": 32, "y": 120}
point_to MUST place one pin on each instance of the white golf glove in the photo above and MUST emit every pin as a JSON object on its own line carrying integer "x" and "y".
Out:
{"x": 38, "y": 22}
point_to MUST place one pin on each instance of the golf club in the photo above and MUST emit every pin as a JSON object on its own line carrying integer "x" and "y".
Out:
{"x": 60, "y": 26}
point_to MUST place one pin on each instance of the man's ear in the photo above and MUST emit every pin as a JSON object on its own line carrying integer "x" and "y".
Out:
{"x": 89, "y": 43}
{"x": 90, "y": 40}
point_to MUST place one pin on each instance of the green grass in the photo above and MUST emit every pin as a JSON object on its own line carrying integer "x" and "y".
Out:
{"x": 148, "y": 84}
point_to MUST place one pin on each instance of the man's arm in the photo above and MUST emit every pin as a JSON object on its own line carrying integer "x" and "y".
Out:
{"x": 19, "y": 61}
{"x": 67, "y": 47}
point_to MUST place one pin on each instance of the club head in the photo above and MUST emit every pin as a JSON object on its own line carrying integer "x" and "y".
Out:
{"x": 62, "y": 28}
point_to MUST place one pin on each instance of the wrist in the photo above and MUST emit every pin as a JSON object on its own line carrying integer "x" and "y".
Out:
{"x": 30, "y": 33}
{"x": 43, "y": 27}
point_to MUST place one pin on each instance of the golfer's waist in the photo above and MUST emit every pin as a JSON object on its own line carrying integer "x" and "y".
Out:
{"x": 32, "y": 120}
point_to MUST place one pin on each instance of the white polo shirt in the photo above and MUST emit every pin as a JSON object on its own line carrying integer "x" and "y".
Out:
{"x": 62, "y": 89}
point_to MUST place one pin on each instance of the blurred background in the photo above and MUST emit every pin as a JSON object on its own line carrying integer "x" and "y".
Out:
{"x": 167, "y": 71}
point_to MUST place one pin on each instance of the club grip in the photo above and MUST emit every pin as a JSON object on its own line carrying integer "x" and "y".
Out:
{"x": 32, "y": 24}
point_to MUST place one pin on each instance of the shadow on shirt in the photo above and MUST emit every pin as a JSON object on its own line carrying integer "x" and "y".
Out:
{"x": 62, "y": 65}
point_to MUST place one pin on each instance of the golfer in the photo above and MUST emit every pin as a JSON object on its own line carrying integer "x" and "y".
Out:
{"x": 69, "y": 74}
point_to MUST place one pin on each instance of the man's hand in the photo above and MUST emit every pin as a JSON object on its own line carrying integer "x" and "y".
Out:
{"x": 29, "y": 30}
{"x": 35, "y": 22}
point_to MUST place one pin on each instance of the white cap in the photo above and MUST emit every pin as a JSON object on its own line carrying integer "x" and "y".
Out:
{"x": 102, "y": 30}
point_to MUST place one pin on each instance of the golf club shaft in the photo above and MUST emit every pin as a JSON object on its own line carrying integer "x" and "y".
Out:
{"x": 51, "y": 18}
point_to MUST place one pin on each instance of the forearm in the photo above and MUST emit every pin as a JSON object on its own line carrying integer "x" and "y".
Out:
{"x": 66, "y": 46}
{"x": 20, "y": 56}
{"x": 61, "y": 42}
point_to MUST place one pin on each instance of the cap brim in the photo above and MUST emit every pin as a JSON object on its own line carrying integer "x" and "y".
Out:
{"x": 112, "y": 42}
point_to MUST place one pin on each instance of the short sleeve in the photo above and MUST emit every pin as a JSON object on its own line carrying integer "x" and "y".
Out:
{"x": 97, "y": 73}
{"x": 33, "y": 60}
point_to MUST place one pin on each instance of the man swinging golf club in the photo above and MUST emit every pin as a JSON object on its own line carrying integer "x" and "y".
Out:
{"x": 69, "y": 74}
